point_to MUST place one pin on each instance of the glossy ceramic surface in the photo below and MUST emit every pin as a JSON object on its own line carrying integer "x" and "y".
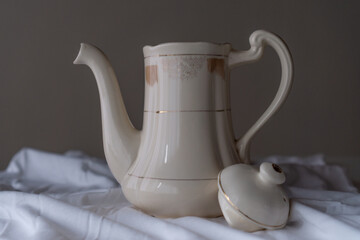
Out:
{"x": 170, "y": 167}
{"x": 265, "y": 204}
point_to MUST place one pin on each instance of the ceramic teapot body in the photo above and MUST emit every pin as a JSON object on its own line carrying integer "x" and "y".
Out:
{"x": 170, "y": 167}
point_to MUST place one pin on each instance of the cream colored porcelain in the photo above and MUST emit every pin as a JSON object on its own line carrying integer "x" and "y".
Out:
{"x": 170, "y": 167}
{"x": 252, "y": 200}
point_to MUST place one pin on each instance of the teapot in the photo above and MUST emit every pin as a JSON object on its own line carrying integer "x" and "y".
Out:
{"x": 170, "y": 167}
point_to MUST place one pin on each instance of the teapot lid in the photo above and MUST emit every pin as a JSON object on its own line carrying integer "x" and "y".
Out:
{"x": 256, "y": 195}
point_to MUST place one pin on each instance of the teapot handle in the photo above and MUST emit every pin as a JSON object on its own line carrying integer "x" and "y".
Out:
{"x": 258, "y": 39}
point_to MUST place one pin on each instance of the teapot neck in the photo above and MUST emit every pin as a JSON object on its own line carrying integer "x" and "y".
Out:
{"x": 186, "y": 83}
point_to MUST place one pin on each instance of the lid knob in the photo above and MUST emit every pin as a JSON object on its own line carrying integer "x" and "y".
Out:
{"x": 272, "y": 173}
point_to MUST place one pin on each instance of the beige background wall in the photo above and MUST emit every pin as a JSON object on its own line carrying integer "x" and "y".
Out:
{"x": 50, "y": 104}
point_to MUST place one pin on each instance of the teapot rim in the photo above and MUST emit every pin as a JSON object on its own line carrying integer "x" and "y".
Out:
{"x": 187, "y": 48}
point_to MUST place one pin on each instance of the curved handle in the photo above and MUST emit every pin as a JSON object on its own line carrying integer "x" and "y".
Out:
{"x": 257, "y": 41}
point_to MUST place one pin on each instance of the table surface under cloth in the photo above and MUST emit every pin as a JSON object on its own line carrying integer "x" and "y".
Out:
{"x": 74, "y": 196}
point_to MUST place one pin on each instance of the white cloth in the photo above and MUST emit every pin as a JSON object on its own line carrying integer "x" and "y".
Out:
{"x": 73, "y": 196}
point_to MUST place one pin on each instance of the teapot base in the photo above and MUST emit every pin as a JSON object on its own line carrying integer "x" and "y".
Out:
{"x": 172, "y": 198}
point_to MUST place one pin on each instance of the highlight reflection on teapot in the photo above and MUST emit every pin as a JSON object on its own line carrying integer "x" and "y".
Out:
{"x": 170, "y": 167}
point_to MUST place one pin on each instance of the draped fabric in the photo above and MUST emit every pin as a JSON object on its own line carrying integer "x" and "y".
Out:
{"x": 74, "y": 196}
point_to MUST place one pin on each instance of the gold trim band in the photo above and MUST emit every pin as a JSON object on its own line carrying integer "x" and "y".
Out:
{"x": 170, "y": 111}
{"x": 169, "y": 55}
{"x": 172, "y": 179}
{"x": 237, "y": 209}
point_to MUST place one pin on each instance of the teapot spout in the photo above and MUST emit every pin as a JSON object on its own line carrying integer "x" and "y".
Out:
{"x": 121, "y": 140}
